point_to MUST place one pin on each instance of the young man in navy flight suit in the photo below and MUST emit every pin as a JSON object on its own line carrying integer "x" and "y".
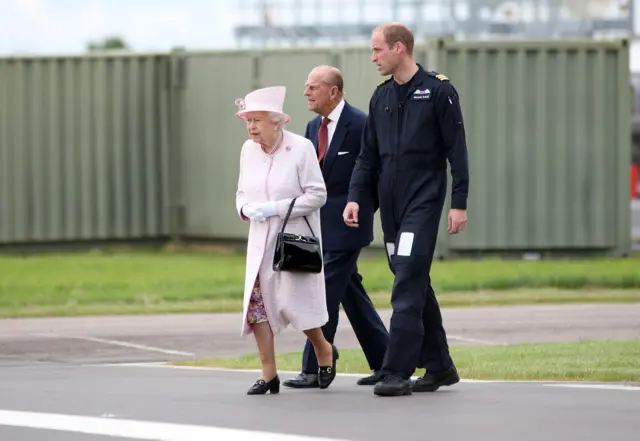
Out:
{"x": 414, "y": 126}
{"x": 336, "y": 133}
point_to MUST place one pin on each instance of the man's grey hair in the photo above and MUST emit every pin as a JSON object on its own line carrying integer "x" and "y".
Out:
{"x": 332, "y": 77}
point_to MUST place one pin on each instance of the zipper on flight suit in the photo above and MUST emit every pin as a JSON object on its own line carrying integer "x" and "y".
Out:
{"x": 401, "y": 107}
{"x": 399, "y": 120}
{"x": 395, "y": 162}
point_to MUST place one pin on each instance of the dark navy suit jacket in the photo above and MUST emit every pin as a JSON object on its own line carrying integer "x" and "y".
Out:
{"x": 337, "y": 167}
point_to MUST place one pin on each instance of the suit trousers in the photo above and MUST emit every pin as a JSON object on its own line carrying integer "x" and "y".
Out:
{"x": 344, "y": 285}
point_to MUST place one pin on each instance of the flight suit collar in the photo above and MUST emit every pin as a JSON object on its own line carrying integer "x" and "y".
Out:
{"x": 415, "y": 82}
{"x": 418, "y": 78}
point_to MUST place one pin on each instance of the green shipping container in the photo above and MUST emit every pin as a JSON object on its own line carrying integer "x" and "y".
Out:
{"x": 148, "y": 145}
{"x": 548, "y": 129}
{"x": 83, "y": 148}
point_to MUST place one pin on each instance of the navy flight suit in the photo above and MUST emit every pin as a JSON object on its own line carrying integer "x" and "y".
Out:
{"x": 410, "y": 133}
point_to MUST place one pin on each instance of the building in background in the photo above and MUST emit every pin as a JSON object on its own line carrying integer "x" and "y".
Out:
{"x": 267, "y": 23}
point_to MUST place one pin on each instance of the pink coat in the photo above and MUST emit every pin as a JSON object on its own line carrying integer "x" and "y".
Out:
{"x": 292, "y": 171}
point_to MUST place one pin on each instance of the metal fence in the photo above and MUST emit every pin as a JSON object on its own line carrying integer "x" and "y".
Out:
{"x": 148, "y": 145}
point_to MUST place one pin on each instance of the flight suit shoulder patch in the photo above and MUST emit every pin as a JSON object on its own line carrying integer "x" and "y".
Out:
{"x": 438, "y": 76}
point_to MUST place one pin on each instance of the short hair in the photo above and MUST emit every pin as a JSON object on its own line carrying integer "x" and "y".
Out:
{"x": 332, "y": 76}
{"x": 394, "y": 32}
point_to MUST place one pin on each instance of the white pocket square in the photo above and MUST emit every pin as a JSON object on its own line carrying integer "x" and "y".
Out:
{"x": 343, "y": 153}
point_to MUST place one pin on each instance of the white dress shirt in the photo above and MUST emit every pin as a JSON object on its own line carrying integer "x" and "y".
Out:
{"x": 334, "y": 116}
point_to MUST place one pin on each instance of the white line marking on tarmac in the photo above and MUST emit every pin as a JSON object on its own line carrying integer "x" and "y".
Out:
{"x": 122, "y": 344}
{"x": 161, "y": 364}
{"x": 597, "y": 386}
{"x": 144, "y": 430}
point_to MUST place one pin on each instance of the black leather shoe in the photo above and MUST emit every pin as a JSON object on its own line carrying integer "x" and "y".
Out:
{"x": 326, "y": 374}
{"x": 261, "y": 387}
{"x": 370, "y": 380}
{"x": 433, "y": 382}
{"x": 303, "y": 381}
{"x": 391, "y": 385}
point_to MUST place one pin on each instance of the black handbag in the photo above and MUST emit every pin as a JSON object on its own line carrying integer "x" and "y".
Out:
{"x": 297, "y": 253}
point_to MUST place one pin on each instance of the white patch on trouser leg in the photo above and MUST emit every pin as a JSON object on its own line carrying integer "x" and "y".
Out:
{"x": 391, "y": 248}
{"x": 405, "y": 244}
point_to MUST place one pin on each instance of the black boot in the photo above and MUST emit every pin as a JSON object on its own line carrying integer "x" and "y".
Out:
{"x": 370, "y": 380}
{"x": 326, "y": 374}
{"x": 393, "y": 385}
{"x": 303, "y": 380}
{"x": 432, "y": 382}
{"x": 261, "y": 387}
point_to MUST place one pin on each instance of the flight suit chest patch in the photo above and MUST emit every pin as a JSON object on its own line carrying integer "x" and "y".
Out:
{"x": 420, "y": 95}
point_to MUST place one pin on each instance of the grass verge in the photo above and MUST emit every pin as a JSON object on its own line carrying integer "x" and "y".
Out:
{"x": 602, "y": 361}
{"x": 171, "y": 282}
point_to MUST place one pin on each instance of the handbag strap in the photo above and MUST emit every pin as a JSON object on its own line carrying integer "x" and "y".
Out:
{"x": 286, "y": 219}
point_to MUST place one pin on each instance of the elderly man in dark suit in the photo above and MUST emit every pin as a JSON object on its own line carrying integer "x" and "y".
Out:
{"x": 336, "y": 133}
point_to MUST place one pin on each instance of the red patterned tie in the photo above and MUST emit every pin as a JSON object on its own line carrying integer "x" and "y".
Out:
{"x": 323, "y": 139}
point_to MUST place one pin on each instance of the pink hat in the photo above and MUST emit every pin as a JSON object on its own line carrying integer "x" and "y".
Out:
{"x": 268, "y": 99}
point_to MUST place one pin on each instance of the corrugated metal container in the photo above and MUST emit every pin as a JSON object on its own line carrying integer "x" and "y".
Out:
{"x": 548, "y": 126}
{"x": 101, "y": 147}
{"x": 210, "y": 140}
{"x": 83, "y": 147}
{"x": 212, "y": 135}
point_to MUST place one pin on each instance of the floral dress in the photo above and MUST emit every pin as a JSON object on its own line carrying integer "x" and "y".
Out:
{"x": 256, "y": 312}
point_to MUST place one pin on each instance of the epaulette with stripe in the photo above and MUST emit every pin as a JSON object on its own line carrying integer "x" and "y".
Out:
{"x": 438, "y": 76}
{"x": 384, "y": 81}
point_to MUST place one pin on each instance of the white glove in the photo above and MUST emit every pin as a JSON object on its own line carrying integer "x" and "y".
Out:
{"x": 259, "y": 212}
{"x": 253, "y": 213}
{"x": 267, "y": 209}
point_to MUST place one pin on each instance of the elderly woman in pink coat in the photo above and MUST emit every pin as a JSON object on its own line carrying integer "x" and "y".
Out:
{"x": 276, "y": 166}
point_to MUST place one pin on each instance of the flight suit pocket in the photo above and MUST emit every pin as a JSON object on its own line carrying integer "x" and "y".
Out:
{"x": 421, "y": 95}
{"x": 419, "y": 106}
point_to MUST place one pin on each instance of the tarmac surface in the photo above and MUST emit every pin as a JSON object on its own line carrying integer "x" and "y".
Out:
{"x": 189, "y": 336}
{"x": 81, "y": 379}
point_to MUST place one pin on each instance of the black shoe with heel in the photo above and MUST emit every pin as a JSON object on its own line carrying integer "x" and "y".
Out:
{"x": 261, "y": 387}
{"x": 326, "y": 374}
